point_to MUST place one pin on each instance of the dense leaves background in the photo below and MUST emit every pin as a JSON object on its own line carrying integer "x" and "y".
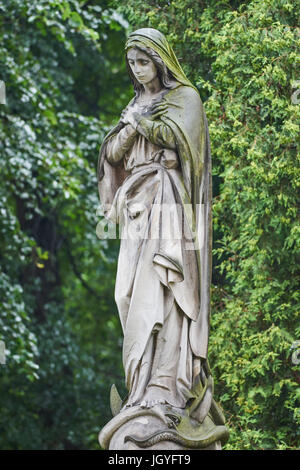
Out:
{"x": 66, "y": 83}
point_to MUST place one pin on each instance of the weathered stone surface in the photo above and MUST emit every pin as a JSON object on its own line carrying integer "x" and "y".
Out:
{"x": 154, "y": 175}
{"x": 144, "y": 426}
{"x": 154, "y": 428}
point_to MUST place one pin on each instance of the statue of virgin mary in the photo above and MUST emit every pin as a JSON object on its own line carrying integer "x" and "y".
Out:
{"x": 154, "y": 179}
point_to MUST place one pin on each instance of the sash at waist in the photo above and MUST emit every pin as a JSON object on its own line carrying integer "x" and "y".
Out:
{"x": 145, "y": 166}
{"x": 165, "y": 159}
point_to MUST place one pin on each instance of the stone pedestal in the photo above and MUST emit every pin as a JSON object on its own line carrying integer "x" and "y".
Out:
{"x": 156, "y": 428}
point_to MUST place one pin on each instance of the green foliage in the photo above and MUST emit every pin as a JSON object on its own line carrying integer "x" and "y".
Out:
{"x": 243, "y": 58}
{"x": 58, "y": 317}
{"x": 66, "y": 83}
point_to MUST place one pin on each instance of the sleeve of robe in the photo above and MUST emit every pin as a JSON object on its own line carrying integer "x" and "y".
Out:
{"x": 121, "y": 143}
{"x": 156, "y": 132}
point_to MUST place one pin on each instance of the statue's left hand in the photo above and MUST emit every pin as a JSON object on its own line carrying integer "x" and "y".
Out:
{"x": 156, "y": 111}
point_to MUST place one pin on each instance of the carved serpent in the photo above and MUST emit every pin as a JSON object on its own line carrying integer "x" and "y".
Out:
{"x": 220, "y": 433}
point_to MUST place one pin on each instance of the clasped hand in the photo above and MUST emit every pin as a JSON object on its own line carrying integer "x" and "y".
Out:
{"x": 130, "y": 115}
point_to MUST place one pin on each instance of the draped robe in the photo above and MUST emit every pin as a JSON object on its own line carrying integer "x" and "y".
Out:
{"x": 163, "y": 282}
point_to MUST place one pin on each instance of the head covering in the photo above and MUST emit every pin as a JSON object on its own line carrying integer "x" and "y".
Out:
{"x": 149, "y": 37}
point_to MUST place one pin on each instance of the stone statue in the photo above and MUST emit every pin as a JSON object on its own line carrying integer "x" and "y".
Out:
{"x": 154, "y": 175}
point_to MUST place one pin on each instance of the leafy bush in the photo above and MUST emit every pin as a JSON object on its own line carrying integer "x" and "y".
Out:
{"x": 56, "y": 275}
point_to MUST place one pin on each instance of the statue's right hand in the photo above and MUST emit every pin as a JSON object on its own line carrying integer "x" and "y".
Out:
{"x": 126, "y": 115}
{"x": 123, "y": 114}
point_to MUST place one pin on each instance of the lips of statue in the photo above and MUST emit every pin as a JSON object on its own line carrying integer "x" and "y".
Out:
{"x": 142, "y": 66}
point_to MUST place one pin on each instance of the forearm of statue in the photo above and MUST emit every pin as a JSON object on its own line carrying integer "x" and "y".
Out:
{"x": 118, "y": 145}
{"x": 156, "y": 132}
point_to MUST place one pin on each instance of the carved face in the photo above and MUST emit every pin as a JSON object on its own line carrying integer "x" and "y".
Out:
{"x": 142, "y": 66}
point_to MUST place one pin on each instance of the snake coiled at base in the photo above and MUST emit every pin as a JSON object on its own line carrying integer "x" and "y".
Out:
{"x": 220, "y": 433}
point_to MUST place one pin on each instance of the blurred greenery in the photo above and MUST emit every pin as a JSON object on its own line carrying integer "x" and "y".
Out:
{"x": 66, "y": 83}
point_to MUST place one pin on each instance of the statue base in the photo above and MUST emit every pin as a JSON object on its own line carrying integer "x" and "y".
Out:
{"x": 160, "y": 428}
